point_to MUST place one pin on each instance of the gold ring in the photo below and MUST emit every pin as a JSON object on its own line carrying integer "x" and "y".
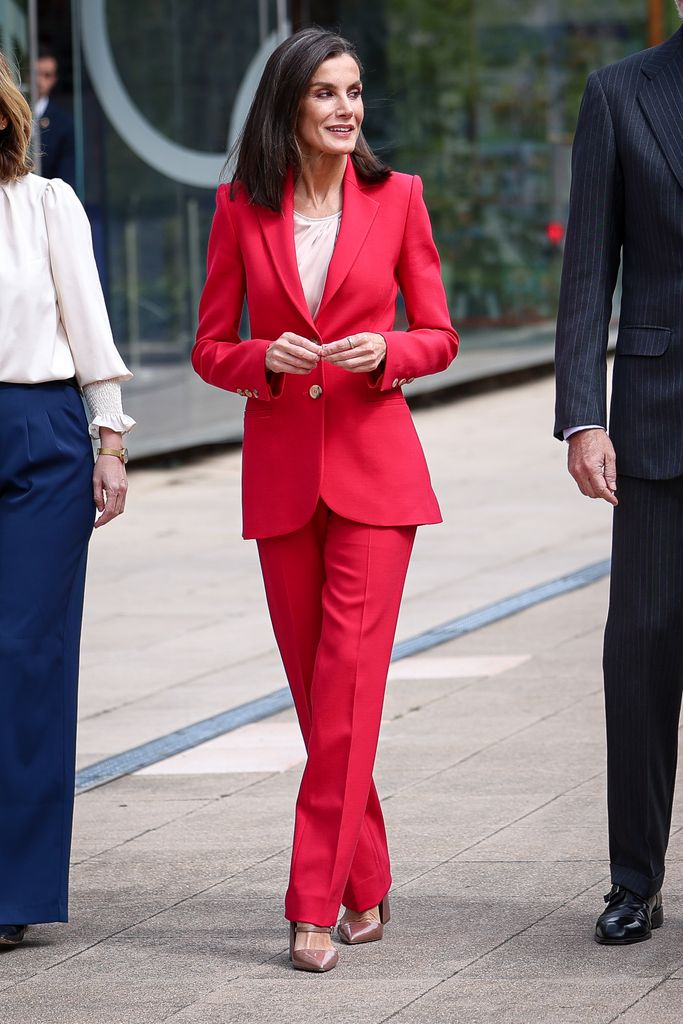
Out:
{"x": 350, "y": 343}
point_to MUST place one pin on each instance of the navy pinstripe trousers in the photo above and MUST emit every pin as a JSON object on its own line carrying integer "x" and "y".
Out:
{"x": 643, "y": 663}
{"x": 46, "y": 517}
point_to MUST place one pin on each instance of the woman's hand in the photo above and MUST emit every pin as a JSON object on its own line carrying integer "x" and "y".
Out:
{"x": 110, "y": 483}
{"x": 359, "y": 353}
{"x": 291, "y": 353}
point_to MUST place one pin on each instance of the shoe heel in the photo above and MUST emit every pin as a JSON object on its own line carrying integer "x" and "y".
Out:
{"x": 292, "y": 939}
{"x": 384, "y": 911}
{"x": 657, "y": 918}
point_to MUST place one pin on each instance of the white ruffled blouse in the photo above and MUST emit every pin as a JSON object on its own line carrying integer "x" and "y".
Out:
{"x": 53, "y": 319}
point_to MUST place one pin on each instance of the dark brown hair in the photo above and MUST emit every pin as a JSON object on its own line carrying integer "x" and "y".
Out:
{"x": 267, "y": 147}
{"x": 15, "y": 139}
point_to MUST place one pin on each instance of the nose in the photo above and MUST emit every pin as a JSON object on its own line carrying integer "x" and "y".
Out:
{"x": 344, "y": 108}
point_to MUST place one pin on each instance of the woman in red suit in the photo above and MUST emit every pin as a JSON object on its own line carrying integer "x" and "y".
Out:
{"x": 319, "y": 235}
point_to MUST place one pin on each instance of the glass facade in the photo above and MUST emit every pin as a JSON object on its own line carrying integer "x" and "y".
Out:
{"x": 15, "y": 34}
{"x": 480, "y": 99}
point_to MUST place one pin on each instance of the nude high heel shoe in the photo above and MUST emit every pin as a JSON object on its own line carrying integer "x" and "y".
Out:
{"x": 355, "y": 932}
{"x": 317, "y": 960}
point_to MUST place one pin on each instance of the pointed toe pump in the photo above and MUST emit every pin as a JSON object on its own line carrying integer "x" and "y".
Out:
{"x": 308, "y": 959}
{"x": 353, "y": 933}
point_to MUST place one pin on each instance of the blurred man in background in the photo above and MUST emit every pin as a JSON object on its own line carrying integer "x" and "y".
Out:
{"x": 627, "y": 176}
{"x": 56, "y": 124}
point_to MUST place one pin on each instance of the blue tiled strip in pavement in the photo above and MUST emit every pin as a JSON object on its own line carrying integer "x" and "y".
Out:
{"x": 500, "y": 610}
{"x": 199, "y": 732}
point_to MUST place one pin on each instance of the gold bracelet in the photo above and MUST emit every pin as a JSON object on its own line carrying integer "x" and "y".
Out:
{"x": 119, "y": 453}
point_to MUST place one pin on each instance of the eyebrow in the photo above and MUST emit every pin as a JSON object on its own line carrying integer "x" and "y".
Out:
{"x": 331, "y": 85}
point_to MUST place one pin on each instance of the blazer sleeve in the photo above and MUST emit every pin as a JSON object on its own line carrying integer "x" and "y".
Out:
{"x": 220, "y": 356}
{"x": 590, "y": 268}
{"x": 431, "y": 343}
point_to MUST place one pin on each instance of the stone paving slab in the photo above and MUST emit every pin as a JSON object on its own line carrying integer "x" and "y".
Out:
{"x": 491, "y": 772}
{"x": 498, "y": 840}
{"x": 182, "y": 593}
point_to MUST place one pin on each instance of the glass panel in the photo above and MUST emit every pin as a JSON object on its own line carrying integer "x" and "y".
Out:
{"x": 161, "y": 88}
{"x": 481, "y": 101}
{"x": 14, "y": 36}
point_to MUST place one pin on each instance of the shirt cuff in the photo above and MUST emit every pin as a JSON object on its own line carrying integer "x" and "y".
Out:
{"x": 103, "y": 399}
{"x": 574, "y": 430}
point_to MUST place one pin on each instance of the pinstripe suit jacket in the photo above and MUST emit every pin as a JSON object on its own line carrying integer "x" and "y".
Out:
{"x": 627, "y": 204}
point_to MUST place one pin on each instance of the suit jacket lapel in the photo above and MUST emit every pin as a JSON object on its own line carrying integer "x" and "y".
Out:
{"x": 358, "y": 213}
{"x": 661, "y": 100}
{"x": 278, "y": 231}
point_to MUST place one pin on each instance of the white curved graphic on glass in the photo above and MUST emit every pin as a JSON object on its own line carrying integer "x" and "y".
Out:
{"x": 187, "y": 166}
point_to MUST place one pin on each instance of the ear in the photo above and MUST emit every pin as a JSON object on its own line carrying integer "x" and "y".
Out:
{"x": 3, "y": 123}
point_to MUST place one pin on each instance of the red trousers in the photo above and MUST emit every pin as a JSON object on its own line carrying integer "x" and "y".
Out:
{"x": 334, "y": 591}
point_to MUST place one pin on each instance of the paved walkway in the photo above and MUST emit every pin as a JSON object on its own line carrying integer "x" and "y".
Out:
{"x": 491, "y": 771}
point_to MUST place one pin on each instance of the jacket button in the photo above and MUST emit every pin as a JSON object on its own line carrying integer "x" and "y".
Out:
{"x": 315, "y": 391}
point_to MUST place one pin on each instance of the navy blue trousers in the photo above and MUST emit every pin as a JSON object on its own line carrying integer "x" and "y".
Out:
{"x": 46, "y": 518}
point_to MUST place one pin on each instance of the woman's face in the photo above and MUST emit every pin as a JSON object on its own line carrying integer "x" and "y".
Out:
{"x": 331, "y": 111}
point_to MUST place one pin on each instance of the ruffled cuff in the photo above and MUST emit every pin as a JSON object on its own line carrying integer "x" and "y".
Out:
{"x": 103, "y": 399}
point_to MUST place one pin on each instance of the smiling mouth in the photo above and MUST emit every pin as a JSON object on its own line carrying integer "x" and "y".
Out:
{"x": 341, "y": 129}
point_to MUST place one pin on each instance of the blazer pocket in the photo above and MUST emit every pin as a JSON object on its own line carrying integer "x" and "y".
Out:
{"x": 643, "y": 341}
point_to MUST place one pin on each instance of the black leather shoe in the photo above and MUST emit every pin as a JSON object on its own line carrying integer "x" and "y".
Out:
{"x": 12, "y": 934}
{"x": 628, "y": 918}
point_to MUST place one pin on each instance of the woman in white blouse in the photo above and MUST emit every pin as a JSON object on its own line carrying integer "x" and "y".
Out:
{"x": 54, "y": 340}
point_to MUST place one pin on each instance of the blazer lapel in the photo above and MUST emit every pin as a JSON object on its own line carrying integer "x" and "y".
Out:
{"x": 661, "y": 100}
{"x": 278, "y": 231}
{"x": 358, "y": 213}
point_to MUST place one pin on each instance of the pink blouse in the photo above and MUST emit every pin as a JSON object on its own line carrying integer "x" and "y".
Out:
{"x": 314, "y": 240}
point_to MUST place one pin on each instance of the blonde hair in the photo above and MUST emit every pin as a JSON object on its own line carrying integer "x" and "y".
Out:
{"x": 15, "y": 138}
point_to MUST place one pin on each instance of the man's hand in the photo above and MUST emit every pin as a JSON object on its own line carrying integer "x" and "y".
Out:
{"x": 592, "y": 462}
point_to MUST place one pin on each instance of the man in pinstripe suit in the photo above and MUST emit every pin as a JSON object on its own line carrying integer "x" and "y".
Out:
{"x": 627, "y": 206}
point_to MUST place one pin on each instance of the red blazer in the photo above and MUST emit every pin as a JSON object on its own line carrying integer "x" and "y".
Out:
{"x": 344, "y": 437}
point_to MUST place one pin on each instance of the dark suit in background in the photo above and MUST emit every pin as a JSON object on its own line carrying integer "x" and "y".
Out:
{"x": 627, "y": 204}
{"x": 57, "y": 144}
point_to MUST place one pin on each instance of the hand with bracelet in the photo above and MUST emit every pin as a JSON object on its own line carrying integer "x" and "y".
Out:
{"x": 110, "y": 483}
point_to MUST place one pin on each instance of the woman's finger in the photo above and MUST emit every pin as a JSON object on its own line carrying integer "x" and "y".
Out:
{"x": 350, "y": 355}
{"x": 359, "y": 364}
{"x": 343, "y": 356}
{"x": 106, "y": 517}
{"x": 292, "y": 355}
{"x": 118, "y": 502}
{"x": 298, "y": 341}
{"x": 286, "y": 366}
{"x": 342, "y": 346}
{"x": 98, "y": 493}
